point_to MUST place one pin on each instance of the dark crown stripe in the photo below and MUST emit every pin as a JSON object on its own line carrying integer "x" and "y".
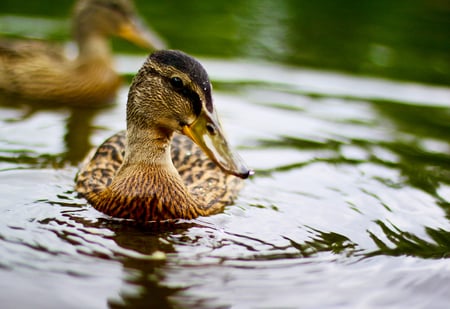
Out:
{"x": 190, "y": 67}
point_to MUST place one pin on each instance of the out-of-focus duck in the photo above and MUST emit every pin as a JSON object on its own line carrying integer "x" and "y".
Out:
{"x": 154, "y": 171}
{"x": 39, "y": 71}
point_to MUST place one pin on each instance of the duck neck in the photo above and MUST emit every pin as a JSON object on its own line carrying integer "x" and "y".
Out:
{"x": 94, "y": 48}
{"x": 148, "y": 147}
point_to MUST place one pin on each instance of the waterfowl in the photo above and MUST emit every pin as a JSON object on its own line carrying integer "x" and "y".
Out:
{"x": 173, "y": 161}
{"x": 41, "y": 72}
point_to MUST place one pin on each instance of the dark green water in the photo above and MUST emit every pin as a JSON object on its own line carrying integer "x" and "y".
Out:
{"x": 343, "y": 110}
{"x": 405, "y": 39}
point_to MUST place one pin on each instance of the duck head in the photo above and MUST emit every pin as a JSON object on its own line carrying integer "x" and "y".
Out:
{"x": 105, "y": 18}
{"x": 172, "y": 93}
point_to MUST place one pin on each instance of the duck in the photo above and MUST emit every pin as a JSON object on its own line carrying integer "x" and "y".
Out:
{"x": 40, "y": 71}
{"x": 173, "y": 161}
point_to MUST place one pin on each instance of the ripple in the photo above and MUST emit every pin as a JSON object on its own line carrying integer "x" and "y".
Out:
{"x": 350, "y": 200}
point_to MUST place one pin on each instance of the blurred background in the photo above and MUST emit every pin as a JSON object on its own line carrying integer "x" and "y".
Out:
{"x": 405, "y": 40}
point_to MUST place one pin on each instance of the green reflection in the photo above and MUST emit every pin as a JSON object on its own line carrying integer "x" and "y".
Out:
{"x": 422, "y": 143}
{"x": 404, "y": 243}
{"x": 324, "y": 242}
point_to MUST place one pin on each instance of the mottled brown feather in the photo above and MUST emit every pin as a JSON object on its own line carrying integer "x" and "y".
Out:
{"x": 151, "y": 196}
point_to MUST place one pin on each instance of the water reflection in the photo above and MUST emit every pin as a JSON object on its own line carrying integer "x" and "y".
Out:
{"x": 421, "y": 144}
{"x": 142, "y": 275}
{"x": 325, "y": 242}
{"x": 78, "y": 130}
{"x": 404, "y": 243}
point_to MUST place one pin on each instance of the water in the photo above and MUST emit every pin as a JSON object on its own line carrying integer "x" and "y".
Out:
{"x": 349, "y": 206}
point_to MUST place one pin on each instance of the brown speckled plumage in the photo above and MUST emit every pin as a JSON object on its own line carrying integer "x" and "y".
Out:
{"x": 151, "y": 172}
{"x": 39, "y": 71}
{"x": 202, "y": 177}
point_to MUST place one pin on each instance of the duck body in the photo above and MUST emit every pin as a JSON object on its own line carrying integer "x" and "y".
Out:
{"x": 42, "y": 72}
{"x": 39, "y": 74}
{"x": 151, "y": 194}
{"x": 151, "y": 172}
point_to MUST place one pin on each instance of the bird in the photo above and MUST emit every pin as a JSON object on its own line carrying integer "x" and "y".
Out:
{"x": 40, "y": 71}
{"x": 173, "y": 160}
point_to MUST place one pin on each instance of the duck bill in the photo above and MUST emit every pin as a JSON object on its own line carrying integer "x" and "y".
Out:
{"x": 135, "y": 32}
{"x": 207, "y": 133}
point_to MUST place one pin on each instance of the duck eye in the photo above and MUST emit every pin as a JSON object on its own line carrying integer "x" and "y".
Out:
{"x": 211, "y": 129}
{"x": 114, "y": 6}
{"x": 176, "y": 82}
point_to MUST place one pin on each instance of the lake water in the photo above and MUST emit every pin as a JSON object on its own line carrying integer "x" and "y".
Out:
{"x": 349, "y": 206}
